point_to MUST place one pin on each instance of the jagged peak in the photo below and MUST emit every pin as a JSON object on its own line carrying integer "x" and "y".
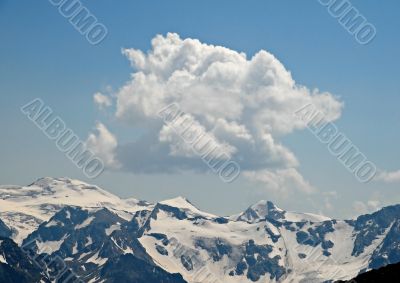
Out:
{"x": 261, "y": 210}
{"x": 268, "y": 210}
{"x": 269, "y": 205}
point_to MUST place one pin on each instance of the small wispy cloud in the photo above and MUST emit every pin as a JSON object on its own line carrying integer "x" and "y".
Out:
{"x": 369, "y": 206}
{"x": 102, "y": 101}
{"x": 388, "y": 177}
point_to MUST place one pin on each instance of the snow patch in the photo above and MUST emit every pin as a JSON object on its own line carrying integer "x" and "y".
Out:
{"x": 85, "y": 223}
{"x": 49, "y": 247}
{"x": 2, "y": 259}
{"x": 112, "y": 228}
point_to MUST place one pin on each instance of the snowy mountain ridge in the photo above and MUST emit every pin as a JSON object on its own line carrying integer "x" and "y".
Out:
{"x": 24, "y": 207}
{"x": 96, "y": 232}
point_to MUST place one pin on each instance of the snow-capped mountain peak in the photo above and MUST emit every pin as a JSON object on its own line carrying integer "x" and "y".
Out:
{"x": 25, "y": 207}
{"x": 179, "y": 201}
{"x": 260, "y": 211}
{"x": 185, "y": 205}
{"x": 52, "y": 187}
{"x": 268, "y": 210}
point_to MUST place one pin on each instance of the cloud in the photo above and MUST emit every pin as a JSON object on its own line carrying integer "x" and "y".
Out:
{"x": 101, "y": 100}
{"x": 388, "y": 177}
{"x": 282, "y": 181}
{"x": 103, "y": 144}
{"x": 366, "y": 207}
{"x": 245, "y": 104}
{"x": 327, "y": 200}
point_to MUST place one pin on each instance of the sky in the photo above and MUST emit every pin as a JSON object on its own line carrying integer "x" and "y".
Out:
{"x": 238, "y": 70}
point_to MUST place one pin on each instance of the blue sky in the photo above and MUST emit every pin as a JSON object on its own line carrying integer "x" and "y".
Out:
{"x": 42, "y": 55}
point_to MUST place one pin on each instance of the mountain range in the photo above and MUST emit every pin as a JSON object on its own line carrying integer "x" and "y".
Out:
{"x": 66, "y": 230}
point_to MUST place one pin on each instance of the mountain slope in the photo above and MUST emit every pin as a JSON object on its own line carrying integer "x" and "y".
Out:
{"x": 94, "y": 241}
{"x": 263, "y": 248}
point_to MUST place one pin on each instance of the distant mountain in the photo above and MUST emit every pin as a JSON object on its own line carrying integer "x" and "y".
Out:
{"x": 100, "y": 237}
{"x": 24, "y": 208}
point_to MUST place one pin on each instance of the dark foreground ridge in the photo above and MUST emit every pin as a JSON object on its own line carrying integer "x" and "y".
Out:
{"x": 389, "y": 273}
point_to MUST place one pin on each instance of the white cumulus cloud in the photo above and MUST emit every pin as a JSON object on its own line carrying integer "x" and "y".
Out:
{"x": 246, "y": 103}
